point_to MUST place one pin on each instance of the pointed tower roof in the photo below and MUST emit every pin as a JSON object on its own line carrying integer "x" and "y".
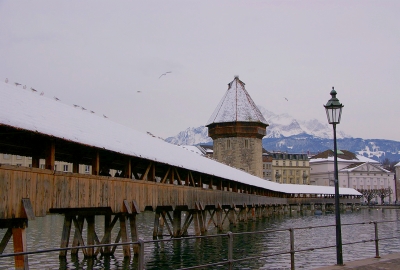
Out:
{"x": 236, "y": 106}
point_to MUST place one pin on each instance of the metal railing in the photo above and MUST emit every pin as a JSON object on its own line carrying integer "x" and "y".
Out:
{"x": 230, "y": 237}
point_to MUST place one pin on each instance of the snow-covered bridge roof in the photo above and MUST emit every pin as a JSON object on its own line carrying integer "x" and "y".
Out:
{"x": 24, "y": 109}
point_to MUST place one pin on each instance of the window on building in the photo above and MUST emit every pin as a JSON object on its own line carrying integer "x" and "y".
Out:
{"x": 6, "y": 156}
{"x": 19, "y": 157}
{"x": 304, "y": 163}
{"x": 41, "y": 166}
{"x": 284, "y": 163}
{"x": 246, "y": 143}
{"x": 290, "y": 163}
{"x": 228, "y": 144}
{"x": 65, "y": 168}
{"x": 87, "y": 168}
{"x": 30, "y": 165}
{"x": 276, "y": 163}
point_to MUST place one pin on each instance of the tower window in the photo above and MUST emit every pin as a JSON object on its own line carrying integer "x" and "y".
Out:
{"x": 228, "y": 144}
{"x": 246, "y": 143}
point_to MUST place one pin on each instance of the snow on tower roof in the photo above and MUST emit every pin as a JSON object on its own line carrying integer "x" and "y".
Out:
{"x": 236, "y": 106}
{"x": 24, "y": 109}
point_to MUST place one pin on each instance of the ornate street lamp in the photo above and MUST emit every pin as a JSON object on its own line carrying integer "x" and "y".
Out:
{"x": 334, "y": 112}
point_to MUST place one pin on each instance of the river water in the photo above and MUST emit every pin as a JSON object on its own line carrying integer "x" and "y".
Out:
{"x": 45, "y": 233}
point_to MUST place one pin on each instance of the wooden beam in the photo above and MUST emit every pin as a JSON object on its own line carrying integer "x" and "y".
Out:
{"x": 96, "y": 163}
{"x": 65, "y": 235}
{"x": 144, "y": 176}
{"x": 165, "y": 176}
{"x": 134, "y": 232}
{"x": 178, "y": 177}
{"x": 90, "y": 235}
{"x": 19, "y": 241}
{"x": 124, "y": 235}
{"x": 5, "y": 240}
{"x": 50, "y": 155}
{"x": 128, "y": 168}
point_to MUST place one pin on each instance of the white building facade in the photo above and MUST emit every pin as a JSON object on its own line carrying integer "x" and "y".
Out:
{"x": 354, "y": 171}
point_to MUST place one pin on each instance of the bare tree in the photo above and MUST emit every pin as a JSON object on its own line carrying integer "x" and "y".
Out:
{"x": 369, "y": 194}
{"x": 383, "y": 193}
{"x": 387, "y": 164}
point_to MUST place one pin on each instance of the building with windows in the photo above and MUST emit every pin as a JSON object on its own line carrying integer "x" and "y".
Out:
{"x": 355, "y": 171}
{"x": 290, "y": 168}
{"x": 267, "y": 165}
{"x": 23, "y": 161}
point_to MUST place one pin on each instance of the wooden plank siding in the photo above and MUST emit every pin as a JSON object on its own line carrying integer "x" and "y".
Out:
{"x": 56, "y": 190}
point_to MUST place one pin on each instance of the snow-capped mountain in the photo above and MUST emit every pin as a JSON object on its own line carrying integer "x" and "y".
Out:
{"x": 287, "y": 134}
{"x": 191, "y": 136}
{"x": 280, "y": 126}
{"x": 284, "y": 125}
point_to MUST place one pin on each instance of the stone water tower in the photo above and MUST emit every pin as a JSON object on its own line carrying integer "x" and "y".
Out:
{"x": 237, "y": 128}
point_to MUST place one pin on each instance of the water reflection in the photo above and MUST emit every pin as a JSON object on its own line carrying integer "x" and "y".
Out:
{"x": 45, "y": 233}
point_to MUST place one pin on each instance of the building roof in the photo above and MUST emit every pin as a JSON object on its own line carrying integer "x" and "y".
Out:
{"x": 342, "y": 155}
{"x": 236, "y": 106}
{"x": 27, "y": 110}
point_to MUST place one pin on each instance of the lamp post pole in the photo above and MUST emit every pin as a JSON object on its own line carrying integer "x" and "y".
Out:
{"x": 339, "y": 252}
{"x": 333, "y": 112}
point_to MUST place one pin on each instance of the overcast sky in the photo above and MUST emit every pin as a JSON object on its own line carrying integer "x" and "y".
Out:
{"x": 107, "y": 56}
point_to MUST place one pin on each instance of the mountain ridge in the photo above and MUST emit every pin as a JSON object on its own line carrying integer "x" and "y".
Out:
{"x": 287, "y": 134}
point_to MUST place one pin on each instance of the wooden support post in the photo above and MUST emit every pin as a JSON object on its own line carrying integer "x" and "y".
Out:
{"x": 186, "y": 224}
{"x": 176, "y": 225}
{"x": 128, "y": 168}
{"x": 156, "y": 224}
{"x": 107, "y": 236}
{"x": 36, "y": 151}
{"x": 134, "y": 232}
{"x": 50, "y": 152}
{"x": 161, "y": 226}
{"x": 90, "y": 235}
{"x": 65, "y": 235}
{"x": 171, "y": 176}
{"x": 218, "y": 212}
{"x": 124, "y": 236}
{"x": 196, "y": 223}
{"x": 232, "y": 217}
{"x": 152, "y": 173}
{"x": 96, "y": 163}
{"x": 78, "y": 239}
{"x": 19, "y": 240}
{"x": 5, "y": 240}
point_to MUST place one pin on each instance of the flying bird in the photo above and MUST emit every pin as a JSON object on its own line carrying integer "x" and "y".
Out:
{"x": 139, "y": 91}
{"x": 83, "y": 109}
{"x": 24, "y": 87}
{"x": 165, "y": 74}
{"x": 286, "y": 99}
{"x": 33, "y": 89}
{"x": 76, "y": 105}
{"x": 92, "y": 111}
{"x": 105, "y": 116}
{"x": 16, "y": 84}
{"x": 42, "y": 93}
{"x": 57, "y": 99}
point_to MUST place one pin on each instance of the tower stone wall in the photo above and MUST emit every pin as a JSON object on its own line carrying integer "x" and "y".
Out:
{"x": 240, "y": 152}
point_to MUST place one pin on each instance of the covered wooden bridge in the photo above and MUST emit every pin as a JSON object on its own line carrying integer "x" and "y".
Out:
{"x": 155, "y": 175}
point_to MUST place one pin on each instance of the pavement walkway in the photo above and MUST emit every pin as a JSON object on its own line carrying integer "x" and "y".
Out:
{"x": 386, "y": 262}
